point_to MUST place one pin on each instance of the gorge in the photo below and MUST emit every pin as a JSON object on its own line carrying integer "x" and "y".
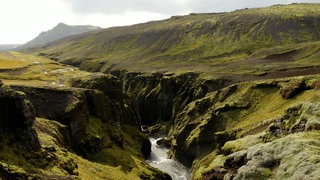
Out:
{"x": 236, "y": 94}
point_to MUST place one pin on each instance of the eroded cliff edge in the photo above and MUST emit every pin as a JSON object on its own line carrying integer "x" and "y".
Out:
{"x": 217, "y": 126}
{"x": 222, "y": 129}
{"x": 70, "y": 132}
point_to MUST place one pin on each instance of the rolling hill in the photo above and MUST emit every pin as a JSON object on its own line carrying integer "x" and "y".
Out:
{"x": 249, "y": 40}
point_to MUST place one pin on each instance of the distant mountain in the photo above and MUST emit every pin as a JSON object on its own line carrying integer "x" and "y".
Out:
{"x": 60, "y": 31}
{"x": 5, "y": 47}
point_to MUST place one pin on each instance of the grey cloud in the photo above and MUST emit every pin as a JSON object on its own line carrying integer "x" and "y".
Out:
{"x": 170, "y": 7}
{"x": 230, "y": 5}
{"x": 122, "y": 6}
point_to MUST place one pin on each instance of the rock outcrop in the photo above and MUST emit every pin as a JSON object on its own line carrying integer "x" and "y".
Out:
{"x": 213, "y": 125}
{"x": 159, "y": 97}
{"x": 207, "y": 115}
{"x": 220, "y": 128}
{"x": 63, "y": 105}
{"x": 16, "y": 119}
{"x": 76, "y": 107}
{"x": 17, "y": 136}
{"x": 82, "y": 119}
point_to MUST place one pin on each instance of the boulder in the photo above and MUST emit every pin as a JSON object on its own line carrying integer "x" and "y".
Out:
{"x": 164, "y": 142}
{"x": 294, "y": 157}
{"x": 292, "y": 88}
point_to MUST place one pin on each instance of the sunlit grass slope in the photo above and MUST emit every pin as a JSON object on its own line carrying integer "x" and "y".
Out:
{"x": 20, "y": 68}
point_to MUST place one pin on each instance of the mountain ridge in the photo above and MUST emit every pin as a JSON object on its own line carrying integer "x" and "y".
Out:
{"x": 61, "y": 30}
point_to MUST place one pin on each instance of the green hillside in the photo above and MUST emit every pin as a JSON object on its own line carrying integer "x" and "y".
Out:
{"x": 257, "y": 39}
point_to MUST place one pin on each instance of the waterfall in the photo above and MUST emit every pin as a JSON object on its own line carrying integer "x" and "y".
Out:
{"x": 124, "y": 87}
{"x": 158, "y": 159}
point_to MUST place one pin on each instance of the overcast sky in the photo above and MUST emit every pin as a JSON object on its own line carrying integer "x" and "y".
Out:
{"x": 23, "y": 20}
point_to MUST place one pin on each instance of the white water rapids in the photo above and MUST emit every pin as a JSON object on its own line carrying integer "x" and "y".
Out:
{"x": 158, "y": 159}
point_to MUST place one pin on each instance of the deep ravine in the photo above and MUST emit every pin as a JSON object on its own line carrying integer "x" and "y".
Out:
{"x": 158, "y": 159}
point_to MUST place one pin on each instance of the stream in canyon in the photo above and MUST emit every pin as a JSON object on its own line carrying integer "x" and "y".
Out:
{"x": 159, "y": 159}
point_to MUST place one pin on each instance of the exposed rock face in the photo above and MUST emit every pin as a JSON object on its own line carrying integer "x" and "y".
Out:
{"x": 203, "y": 114}
{"x": 17, "y": 136}
{"x": 16, "y": 111}
{"x": 163, "y": 97}
{"x": 71, "y": 107}
{"x": 207, "y": 126}
{"x": 64, "y": 105}
{"x": 16, "y": 118}
{"x": 160, "y": 97}
{"x": 83, "y": 118}
{"x": 101, "y": 106}
{"x": 108, "y": 84}
{"x": 87, "y": 105}
{"x": 206, "y": 117}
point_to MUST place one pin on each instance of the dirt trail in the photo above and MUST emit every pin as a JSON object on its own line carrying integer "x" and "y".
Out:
{"x": 303, "y": 71}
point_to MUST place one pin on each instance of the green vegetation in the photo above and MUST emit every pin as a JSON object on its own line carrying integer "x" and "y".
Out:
{"x": 241, "y": 42}
{"x": 212, "y": 129}
{"x": 25, "y": 69}
{"x": 111, "y": 163}
{"x": 74, "y": 138}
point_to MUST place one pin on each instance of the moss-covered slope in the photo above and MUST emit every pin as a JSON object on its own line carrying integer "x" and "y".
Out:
{"x": 229, "y": 131}
{"x": 57, "y": 122}
{"x": 243, "y": 41}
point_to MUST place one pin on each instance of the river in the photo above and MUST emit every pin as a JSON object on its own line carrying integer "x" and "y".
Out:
{"x": 158, "y": 159}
